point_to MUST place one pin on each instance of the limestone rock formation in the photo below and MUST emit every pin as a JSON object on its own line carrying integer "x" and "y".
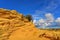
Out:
{"x": 14, "y": 26}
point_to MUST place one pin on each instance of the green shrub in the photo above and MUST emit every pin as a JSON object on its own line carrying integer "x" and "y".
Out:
{"x": 29, "y": 17}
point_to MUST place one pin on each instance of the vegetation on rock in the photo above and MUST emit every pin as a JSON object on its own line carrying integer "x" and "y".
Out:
{"x": 29, "y": 17}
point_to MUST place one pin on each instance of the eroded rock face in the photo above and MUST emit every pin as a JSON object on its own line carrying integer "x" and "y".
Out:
{"x": 10, "y": 21}
{"x": 14, "y": 26}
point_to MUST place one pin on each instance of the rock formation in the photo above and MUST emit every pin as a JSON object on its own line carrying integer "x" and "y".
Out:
{"x": 14, "y": 26}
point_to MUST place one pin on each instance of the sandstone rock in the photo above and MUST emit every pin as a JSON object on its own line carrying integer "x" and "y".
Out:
{"x": 14, "y": 26}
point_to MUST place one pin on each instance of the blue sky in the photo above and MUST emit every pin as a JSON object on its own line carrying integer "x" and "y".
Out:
{"x": 30, "y": 6}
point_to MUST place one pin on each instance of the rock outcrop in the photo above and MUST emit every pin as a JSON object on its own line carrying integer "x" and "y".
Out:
{"x": 14, "y": 26}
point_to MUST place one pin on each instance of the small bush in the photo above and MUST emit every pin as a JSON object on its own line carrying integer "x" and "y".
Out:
{"x": 29, "y": 17}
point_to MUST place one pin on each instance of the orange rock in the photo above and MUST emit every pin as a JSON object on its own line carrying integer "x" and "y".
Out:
{"x": 14, "y": 26}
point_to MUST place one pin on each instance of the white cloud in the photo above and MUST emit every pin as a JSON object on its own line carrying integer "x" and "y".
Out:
{"x": 34, "y": 21}
{"x": 46, "y": 20}
{"x": 47, "y": 24}
{"x": 38, "y": 14}
{"x": 49, "y": 21}
{"x": 49, "y": 17}
{"x": 35, "y": 16}
{"x": 58, "y": 20}
{"x": 41, "y": 21}
{"x": 53, "y": 4}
